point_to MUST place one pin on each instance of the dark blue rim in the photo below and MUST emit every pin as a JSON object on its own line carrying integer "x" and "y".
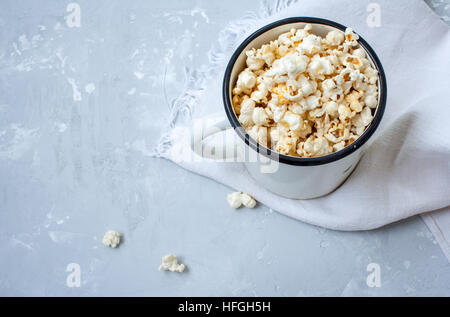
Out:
{"x": 301, "y": 161}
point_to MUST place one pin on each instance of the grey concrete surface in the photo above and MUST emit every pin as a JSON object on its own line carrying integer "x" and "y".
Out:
{"x": 79, "y": 109}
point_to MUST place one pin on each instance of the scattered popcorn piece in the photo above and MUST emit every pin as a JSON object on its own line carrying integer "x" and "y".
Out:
{"x": 248, "y": 201}
{"x": 111, "y": 239}
{"x": 170, "y": 263}
{"x": 234, "y": 200}
{"x": 237, "y": 199}
{"x": 306, "y": 95}
{"x": 294, "y": 121}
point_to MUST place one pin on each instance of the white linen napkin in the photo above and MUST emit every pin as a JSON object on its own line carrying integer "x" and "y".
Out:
{"x": 406, "y": 170}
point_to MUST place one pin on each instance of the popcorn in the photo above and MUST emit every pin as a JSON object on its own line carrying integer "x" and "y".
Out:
{"x": 345, "y": 112}
{"x": 111, "y": 239}
{"x": 320, "y": 66}
{"x": 339, "y": 146}
{"x": 246, "y": 81}
{"x": 358, "y": 124}
{"x": 294, "y": 36}
{"x": 372, "y": 75}
{"x": 259, "y": 134}
{"x": 274, "y": 133}
{"x": 353, "y": 100}
{"x": 246, "y": 112}
{"x": 248, "y": 201}
{"x": 356, "y": 76}
{"x": 337, "y": 133}
{"x": 360, "y": 53}
{"x": 335, "y": 38}
{"x": 286, "y": 144}
{"x": 260, "y": 94}
{"x": 351, "y": 37}
{"x": 331, "y": 108}
{"x": 311, "y": 102}
{"x": 260, "y": 116}
{"x": 170, "y": 263}
{"x": 366, "y": 116}
{"x": 372, "y": 90}
{"x": 310, "y": 45}
{"x": 254, "y": 62}
{"x": 297, "y": 108}
{"x": 306, "y": 86}
{"x": 282, "y": 50}
{"x": 307, "y": 28}
{"x": 234, "y": 200}
{"x": 328, "y": 85}
{"x": 301, "y": 34}
{"x": 280, "y": 92}
{"x": 285, "y": 38}
{"x": 267, "y": 53}
{"x": 353, "y": 61}
{"x": 314, "y": 146}
{"x": 277, "y": 111}
{"x": 316, "y": 113}
{"x": 303, "y": 95}
{"x": 237, "y": 199}
{"x": 356, "y": 106}
{"x": 331, "y": 91}
{"x": 291, "y": 65}
{"x": 371, "y": 101}
{"x": 294, "y": 121}
{"x": 266, "y": 82}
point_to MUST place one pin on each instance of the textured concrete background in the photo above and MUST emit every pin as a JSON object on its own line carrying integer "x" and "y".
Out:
{"x": 79, "y": 110}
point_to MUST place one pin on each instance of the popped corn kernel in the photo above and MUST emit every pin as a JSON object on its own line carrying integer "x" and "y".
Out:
{"x": 111, "y": 239}
{"x": 335, "y": 38}
{"x": 237, "y": 199}
{"x": 170, "y": 263}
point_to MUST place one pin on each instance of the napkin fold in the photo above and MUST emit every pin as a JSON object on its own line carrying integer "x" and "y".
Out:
{"x": 406, "y": 170}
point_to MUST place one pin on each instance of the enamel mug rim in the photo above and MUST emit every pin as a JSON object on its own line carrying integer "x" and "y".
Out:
{"x": 301, "y": 161}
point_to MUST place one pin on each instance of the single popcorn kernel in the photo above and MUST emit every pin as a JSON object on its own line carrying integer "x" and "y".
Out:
{"x": 248, "y": 201}
{"x": 237, "y": 199}
{"x": 306, "y": 96}
{"x": 111, "y": 239}
{"x": 170, "y": 263}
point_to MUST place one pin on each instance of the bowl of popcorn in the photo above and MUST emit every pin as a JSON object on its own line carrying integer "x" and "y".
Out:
{"x": 306, "y": 94}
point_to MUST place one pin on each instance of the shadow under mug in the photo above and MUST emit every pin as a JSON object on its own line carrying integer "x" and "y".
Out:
{"x": 294, "y": 177}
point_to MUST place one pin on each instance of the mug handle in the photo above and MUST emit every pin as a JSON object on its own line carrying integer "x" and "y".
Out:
{"x": 215, "y": 123}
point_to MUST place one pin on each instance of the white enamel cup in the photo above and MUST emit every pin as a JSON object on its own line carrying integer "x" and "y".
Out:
{"x": 294, "y": 177}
